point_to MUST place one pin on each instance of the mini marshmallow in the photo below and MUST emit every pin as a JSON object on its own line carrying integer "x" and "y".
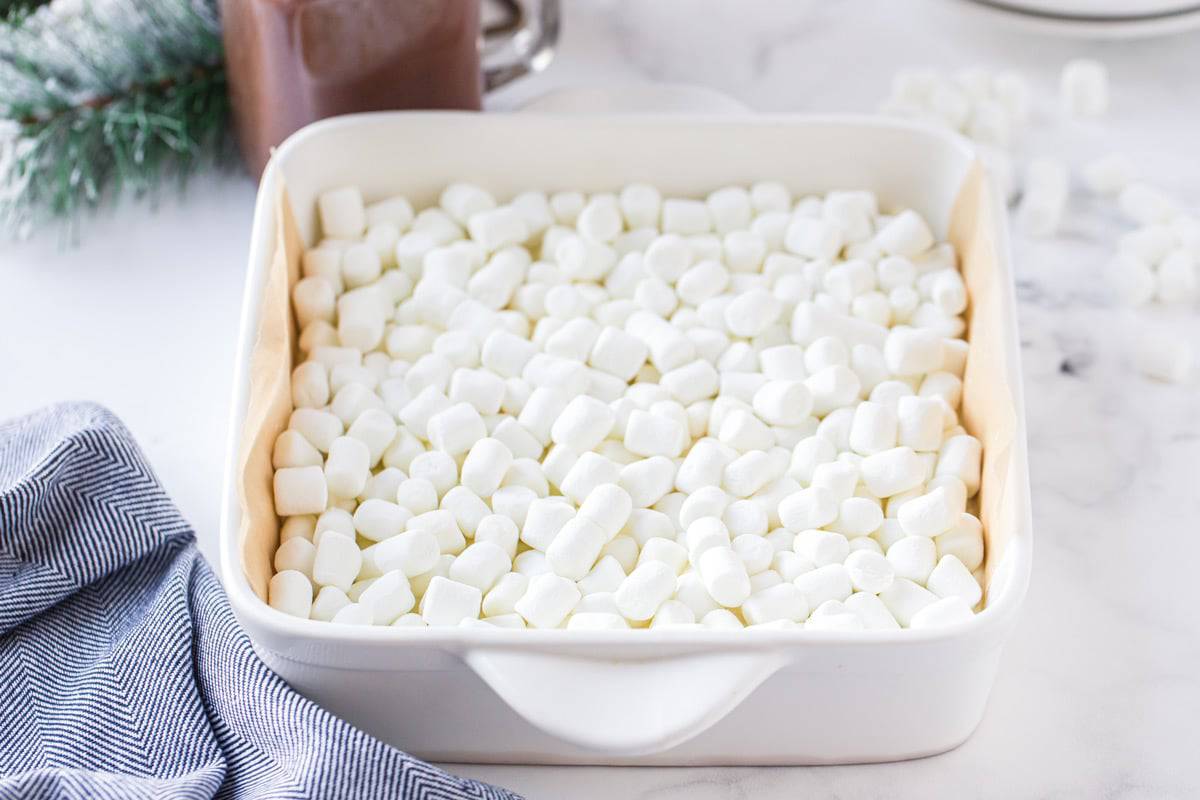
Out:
{"x": 485, "y": 465}
{"x": 479, "y": 387}
{"x": 575, "y": 548}
{"x": 744, "y": 432}
{"x": 964, "y": 541}
{"x": 1083, "y": 87}
{"x": 830, "y": 582}
{"x": 297, "y": 528}
{"x": 752, "y": 312}
{"x": 513, "y": 502}
{"x": 541, "y": 410}
{"x": 640, "y": 204}
{"x": 524, "y": 471}
{"x": 313, "y": 299}
{"x": 417, "y": 495}
{"x": 300, "y": 490}
{"x": 378, "y": 519}
{"x": 605, "y": 577}
{"x": 295, "y": 554}
{"x": 930, "y": 514}
{"x": 1108, "y": 174}
{"x": 691, "y": 382}
{"x": 361, "y": 265}
{"x": 710, "y": 501}
{"x": 873, "y": 429}
{"x": 618, "y": 353}
{"x": 376, "y": 429}
{"x": 498, "y": 228}
{"x": 547, "y": 601}
{"x": 588, "y": 472}
{"x": 456, "y": 428}
{"x": 746, "y": 517}
{"x": 1164, "y": 358}
{"x": 609, "y": 507}
{"x": 685, "y": 217}
{"x": 600, "y": 220}
{"x": 667, "y": 551}
{"x": 646, "y": 481}
{"x": 858, "y": 516}
{"x": 814, "y": 238}
{"x": 808, "y": 508}
{"x": 673, "y": 614}
{"x": 869, "y": 571}
{"x": 448, "y": 602}
{"x": 913, "y": 557}
{"x": 352, "y": 614}
{"x": 892, "y": 471}
{"x": 462, "y": 200}
{"x": 783, "y": 402}
{"x": 871, "y": 610}
{"x": 498, "y": 530}
{"x": 821, "y": 548}
{"x": 920, "y": 423}
{"x": 1044, "y": 201}
{"x": 644, "y": 590}
{"x": 420, "y": 583}
{"x": 950, "y": 578}
{"x": 912, "y": 351}
{"x": 545, "y": 518}
{"x": 342, "y": 213}
{"x": 480, "y": 565}
{"x": 387, "y": 598}
{"x": 466, "y": 507}
{"x": 506, "y": 354}
{"x": 724, "y": 575}
{"x": 649, "y": 434}
{"x": 328, "y": 602}
{"x": 566, "y": 206}
{"x": 961, "y": 457}
{"x": 583, "y": 424}
{"x": 907, "y": 234}
{"x": 781, "y": 601}
{"x": 436, "y": 467}
{"x": 337, "y": 561}
{"x": 764, "y": 580}
{"x": 502, "y": 597}
{"x": 832, "y": 388}
{"x": 755, "y": 552}
{"x": 1144, "y": 204}
{"x": 347, "y": 468}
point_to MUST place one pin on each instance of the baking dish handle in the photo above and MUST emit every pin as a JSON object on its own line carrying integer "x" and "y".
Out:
{"x": 623, "y": 707}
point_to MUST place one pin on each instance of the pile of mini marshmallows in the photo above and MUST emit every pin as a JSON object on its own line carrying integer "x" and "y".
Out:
{"x": 1158, "y": 263}
{"x": 623, "y": 411}
{"x": 990, "y": 108}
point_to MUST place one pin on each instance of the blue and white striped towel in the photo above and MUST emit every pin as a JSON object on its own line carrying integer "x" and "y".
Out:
{"x": 123, "y": 673}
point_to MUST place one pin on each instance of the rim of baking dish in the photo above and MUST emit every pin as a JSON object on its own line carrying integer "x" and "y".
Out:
{"x": 1012, "y": 575}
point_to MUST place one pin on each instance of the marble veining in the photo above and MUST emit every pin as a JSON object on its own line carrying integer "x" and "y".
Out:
{"x": 1098, "y": 690}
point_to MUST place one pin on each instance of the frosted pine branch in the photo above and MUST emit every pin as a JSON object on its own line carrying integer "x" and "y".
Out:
{"x": 105, "y": 96}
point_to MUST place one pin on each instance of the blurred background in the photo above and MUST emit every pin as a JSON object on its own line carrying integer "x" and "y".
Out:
{"x": 138, "y": 308}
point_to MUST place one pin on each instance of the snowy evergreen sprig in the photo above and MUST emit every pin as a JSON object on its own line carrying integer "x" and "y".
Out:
{"x": 98, "y": 97}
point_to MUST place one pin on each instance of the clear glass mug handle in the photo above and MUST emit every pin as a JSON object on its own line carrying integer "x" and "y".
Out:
{"x": 521, "y": 43}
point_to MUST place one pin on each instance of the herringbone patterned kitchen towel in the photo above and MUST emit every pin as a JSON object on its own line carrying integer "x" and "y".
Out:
{"x": 123, "y": 673}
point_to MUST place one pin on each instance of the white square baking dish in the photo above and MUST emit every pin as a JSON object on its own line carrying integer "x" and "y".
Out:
{"x": 634, "y": 697}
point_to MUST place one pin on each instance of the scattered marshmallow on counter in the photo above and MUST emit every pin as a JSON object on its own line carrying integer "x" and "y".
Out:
{"x": 1083, "y": 88}
{"x": 626, "y": 410}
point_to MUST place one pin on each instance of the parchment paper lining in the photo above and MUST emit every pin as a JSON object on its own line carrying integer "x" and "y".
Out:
{"x": 987, "y": 410}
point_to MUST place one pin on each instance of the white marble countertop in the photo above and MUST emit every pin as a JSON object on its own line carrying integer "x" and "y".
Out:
{"x": 1098, "y": 689}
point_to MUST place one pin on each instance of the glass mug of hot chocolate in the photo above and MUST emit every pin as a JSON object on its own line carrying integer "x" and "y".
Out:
{"x": 291, "y": 62}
